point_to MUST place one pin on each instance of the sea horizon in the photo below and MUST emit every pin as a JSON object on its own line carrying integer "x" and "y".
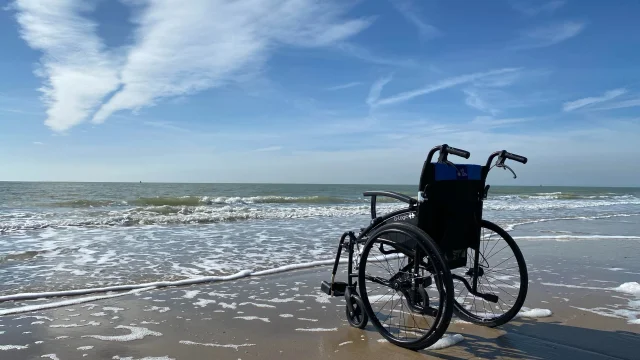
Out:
{"x": 305, "y": 183}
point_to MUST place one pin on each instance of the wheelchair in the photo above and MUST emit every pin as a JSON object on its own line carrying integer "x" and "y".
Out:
{"x": 409, "y": 271}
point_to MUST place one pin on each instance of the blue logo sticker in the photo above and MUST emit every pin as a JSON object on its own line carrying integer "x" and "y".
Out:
{"x": 462, "y": 172}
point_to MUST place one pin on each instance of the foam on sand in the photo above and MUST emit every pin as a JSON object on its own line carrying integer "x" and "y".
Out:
{"x": 632, "y": 288}
{"x": 144, "y": 358}
{"x": 577, "y": 237}
{"x": 446, "y": 341}
{"x": 13, "y": 347}
{"x": 317, "y": 329}
{"x": 56, "y": 304}
{"x": 203, "y": 302}
{"x": 158, "y": 284}
{"x": 137, "y": 333}
{"x": 90, "y": 323}
{"x": 232, "y": 346}
{"x": 533, "y": 313}
{"x": 251, "y": 318}
{"x": 50, "y": 356}
{"x": 190, "y": 294}
{"x": 257, "y": 305}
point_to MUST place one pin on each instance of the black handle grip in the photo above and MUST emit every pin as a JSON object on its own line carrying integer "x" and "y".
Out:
{"x": 514, "y": 157}
{"x": 459, "y": 152}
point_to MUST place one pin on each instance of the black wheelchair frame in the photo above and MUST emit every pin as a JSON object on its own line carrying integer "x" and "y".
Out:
{"x": 411, "y": 215}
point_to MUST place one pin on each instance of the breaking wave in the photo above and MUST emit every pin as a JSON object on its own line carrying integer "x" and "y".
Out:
{"x": 167, "y": 215}
{"x": 214, "y": 200}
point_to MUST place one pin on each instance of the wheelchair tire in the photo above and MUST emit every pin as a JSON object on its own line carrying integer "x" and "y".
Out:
{"x": 354, "y": 310}
{"x": 433, "y": 275}
{"x": 492, "y": 279}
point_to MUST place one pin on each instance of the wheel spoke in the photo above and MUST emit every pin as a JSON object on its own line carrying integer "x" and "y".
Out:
{"x": 497, "y": 279}
{"x": 399, "y": 311}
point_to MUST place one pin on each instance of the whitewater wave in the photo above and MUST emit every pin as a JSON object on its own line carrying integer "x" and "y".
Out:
{"x": 214, "y": 200}
{"x": 167, "y": 215}
{"x": 499, "y": 202}
{"x": 512, "y": 226}
{"x": 240, "y": 211}
{"x": 565, "y": 196}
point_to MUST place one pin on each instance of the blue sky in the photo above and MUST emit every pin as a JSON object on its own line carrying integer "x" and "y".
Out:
{"x": 320, "y": 92}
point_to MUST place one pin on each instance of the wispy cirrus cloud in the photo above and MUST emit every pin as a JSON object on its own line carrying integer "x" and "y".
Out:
{"x": 476, "y": 101}
{"x": 532, "y": 8}
{"x": 408, "y": 10}
{"x": 344, "y": 86}
{"x": 77, "y": 70}
{"x": 488, "y": 122}
{"x": 550, "y": 34}
{"x": 376, "y": 89}
{"x": 269, "y": 149}
{"x": 620, "y": 104}
{"x": 171, "y": 57}
{"x": 440, "y": 85}
{"x": 588, "y": 101}
{"x": 364, "y": 54}
{"x": 166, "y": 125}
{"x": 180, "y": 48}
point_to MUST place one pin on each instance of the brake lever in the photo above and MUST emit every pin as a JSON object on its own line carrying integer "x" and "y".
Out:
{"x": 506, "y": 167}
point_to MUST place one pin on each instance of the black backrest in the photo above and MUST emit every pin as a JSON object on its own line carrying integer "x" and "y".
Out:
{"x": 452, "y": 211}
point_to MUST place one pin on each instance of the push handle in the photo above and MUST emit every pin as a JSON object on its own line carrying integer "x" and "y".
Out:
{"x": 446, "y": 150}
{"x": 502, "y": 156}
{"x": 459, "y": 152}
{"x": 514, "y": 157}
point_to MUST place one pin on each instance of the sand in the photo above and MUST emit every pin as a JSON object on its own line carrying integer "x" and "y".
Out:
{"x": 572, "y": 312}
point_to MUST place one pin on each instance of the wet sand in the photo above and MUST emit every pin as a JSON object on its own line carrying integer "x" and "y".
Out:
{"x": 286, "y": 316}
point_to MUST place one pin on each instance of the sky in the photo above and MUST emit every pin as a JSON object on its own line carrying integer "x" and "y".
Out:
{"x": 305, "y": 91}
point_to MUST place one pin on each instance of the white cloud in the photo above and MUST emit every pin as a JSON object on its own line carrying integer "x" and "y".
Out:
{"x": 577, "y": 104}
{"x": 550, "y": 34}
{"x": 270, "y": 148}
{"x": 407, "y": 9}
{"x": 442, "y": 84}
{"x": 621, "y": 105}
{"x": 344, "y": 86}
{"x": 475, "y": 100}
{"x": 376, "y": 89}
{"x": 189, "y": 46}
{"x": 77, "y": 71}
{"x": 364, "y": 54}
{"x": 166, "y": 126}
{"x": 532, "y": 8}
{"x": 38, "y": 143}
{"x": 179, "y": 48}
{"x": 488, "y": 122}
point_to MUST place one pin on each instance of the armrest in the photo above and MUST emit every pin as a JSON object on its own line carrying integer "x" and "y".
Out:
{"x": 392, "y": 194}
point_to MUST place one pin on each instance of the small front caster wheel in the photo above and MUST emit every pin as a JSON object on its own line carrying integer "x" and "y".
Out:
{"x": 356, "y": 315}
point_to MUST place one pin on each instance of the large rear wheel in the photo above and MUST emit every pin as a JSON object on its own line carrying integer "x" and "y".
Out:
{"x": 501, "y": 272}
{"x": 406, "y": 286}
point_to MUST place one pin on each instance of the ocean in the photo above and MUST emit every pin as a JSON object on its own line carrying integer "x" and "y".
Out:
{"x": 64, "y": 236}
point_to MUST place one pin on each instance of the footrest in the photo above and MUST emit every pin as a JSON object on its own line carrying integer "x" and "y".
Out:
{"x": 339, "y": 288}
{"x": 489, "y": 297}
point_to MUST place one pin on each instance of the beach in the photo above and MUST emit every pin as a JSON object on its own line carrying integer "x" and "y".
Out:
{"x": 571, "y": 312}
{"x": 183, "y": 271}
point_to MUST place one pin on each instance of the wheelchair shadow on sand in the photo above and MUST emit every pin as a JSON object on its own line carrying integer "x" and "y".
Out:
{"x": 532, "y": 339}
